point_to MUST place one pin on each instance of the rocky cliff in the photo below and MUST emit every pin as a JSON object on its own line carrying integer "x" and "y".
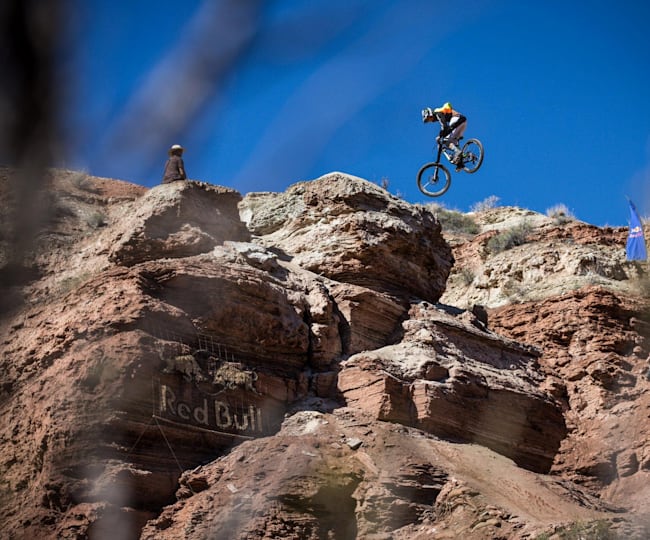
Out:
{"x": 185, "y": 362}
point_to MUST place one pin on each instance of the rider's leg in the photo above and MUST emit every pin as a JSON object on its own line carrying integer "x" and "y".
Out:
{"x": 451, "y": 150}
{"x": 453, "y": 140}
{"x": 455, "y": 136}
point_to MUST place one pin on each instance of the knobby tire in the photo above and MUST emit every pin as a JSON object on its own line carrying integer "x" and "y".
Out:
{"x": 472, "y": 155}
{"x": 430, "y": 186}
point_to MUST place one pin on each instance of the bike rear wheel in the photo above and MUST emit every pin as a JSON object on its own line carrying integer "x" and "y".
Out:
{"x": 434, "y": 179}
{"x": 472, "y": 155}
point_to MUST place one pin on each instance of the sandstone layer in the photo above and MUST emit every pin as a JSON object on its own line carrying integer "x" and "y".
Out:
{"x": 185, "y": 362}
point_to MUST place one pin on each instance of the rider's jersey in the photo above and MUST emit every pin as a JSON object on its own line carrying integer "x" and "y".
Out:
{"x": 451, "y": 118}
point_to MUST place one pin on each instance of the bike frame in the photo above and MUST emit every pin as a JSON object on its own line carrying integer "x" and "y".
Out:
{"x": 441, "y": 151}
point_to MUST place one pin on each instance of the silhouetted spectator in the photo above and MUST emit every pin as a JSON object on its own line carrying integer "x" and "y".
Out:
{"x": 174, "y": 168}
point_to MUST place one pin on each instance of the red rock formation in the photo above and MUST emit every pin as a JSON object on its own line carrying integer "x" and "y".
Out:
{"x": 597, "y": 343}
{"x": 177, "y": 220}
{"x": 459, "y": 383}
{"x": 345, "y": 475}
{"x": 353, "y": 231}
{"x": 285, "y": 376}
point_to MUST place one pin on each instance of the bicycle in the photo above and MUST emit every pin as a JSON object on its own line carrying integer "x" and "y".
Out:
{"x": 429, "y": 176}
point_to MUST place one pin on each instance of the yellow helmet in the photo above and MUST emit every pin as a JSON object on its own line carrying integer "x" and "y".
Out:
{"x": 446, "y": 108}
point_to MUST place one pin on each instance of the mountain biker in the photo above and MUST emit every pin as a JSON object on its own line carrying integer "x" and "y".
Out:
{"x": 452, "y": 127}
{"x": 174, "y": 168}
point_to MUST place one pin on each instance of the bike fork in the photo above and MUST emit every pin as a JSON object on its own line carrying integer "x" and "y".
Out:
{"x": 435, "y": 173}
{"x": 439, "y": 153}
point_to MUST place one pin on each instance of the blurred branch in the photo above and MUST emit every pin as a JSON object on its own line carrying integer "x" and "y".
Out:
{"x": 184, "y": 83}
{"x": 30, "y": 32}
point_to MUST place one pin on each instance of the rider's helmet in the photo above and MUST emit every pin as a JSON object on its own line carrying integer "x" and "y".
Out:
{"x": 176, "y": 149}
{"x": 427, "y": 114}
{"x": 446, "y": 108}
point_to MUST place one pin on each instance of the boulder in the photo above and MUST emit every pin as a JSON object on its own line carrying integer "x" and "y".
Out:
{"x": 353, "y": 231}
{"x": 179, "y": 219}
{"x": 459, "y": 383}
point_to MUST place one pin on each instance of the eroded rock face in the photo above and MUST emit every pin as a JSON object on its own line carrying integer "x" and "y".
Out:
{"x": 460, "y": 383}
{"x": 346, "y": 475}
{"x": 204, "y": 361}
{"x": 597, "y": 342}
{"x": 550, "y": 260}
{"x": 353, "y": 231}
{"x": 569, "y": 291}
{"x": 163, "y": 364}
{"x": 166, "y": 360}
{"x": 177, "y": 220}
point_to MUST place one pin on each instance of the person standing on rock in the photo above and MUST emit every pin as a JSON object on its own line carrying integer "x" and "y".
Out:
{"x": 174, "y": 168}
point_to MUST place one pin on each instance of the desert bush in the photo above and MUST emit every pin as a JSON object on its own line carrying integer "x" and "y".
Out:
{"x": 463, "y": 277}
{"x": 81, "y": 180}
{"x": 52, "y": 207}
{"x": 466, "y": 276}
{"x": 486, "y": 204}
{"x": 454, "y": 220}
{"x": 515, "y": 236}
{"x": 594, "y": 530}
{"x": 96, "y": 219}
{"x": 514, "y": 290}
{"x": 560, "y": 213}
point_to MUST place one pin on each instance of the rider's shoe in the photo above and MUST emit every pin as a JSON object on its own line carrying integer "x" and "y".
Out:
{"x": 459, "y": 165}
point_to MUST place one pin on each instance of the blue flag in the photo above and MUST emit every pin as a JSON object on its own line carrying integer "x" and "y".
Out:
{"x": 635, "y": 248}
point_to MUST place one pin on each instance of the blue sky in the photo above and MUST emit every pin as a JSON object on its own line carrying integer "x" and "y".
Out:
{"x": 263, "y": 94}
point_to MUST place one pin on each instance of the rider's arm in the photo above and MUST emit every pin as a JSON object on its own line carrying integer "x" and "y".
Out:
{"x": 444, "y": 126}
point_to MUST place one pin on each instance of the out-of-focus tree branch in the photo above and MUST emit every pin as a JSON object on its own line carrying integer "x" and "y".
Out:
{"x": 30, "y": 34}
{"x": 184, "y": 83}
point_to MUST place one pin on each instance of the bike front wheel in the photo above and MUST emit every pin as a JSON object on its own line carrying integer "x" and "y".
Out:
{"x": 472, "y": 155}
{"x": 434, "y": 179}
